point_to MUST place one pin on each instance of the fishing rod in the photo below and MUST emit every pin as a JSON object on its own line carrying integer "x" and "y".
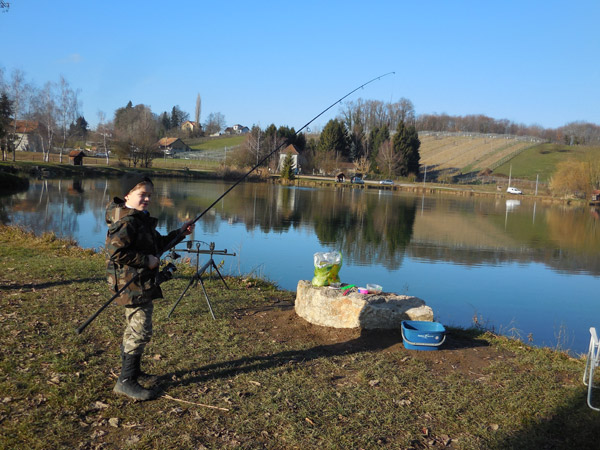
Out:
{"x": 176, "y": 239}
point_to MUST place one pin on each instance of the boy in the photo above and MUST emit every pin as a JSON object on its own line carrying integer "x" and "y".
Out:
{"x": 133, "y": 248}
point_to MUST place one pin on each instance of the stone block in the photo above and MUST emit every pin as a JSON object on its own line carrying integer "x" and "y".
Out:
{"x": 330, "y": 308}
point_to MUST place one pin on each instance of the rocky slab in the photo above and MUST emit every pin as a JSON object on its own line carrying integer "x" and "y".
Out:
{"x": 330, "y": 308}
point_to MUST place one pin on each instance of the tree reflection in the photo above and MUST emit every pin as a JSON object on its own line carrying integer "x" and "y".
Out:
{"x": 368, "y": 226}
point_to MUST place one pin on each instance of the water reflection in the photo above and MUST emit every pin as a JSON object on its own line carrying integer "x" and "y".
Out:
{"x": 464, "y": 256}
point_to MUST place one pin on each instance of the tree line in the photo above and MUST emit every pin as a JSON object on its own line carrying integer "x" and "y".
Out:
{"x": 53, "y": 107}
{"x": 573, "y": 133}
{"x": 370, "y": 135}
{"x": 51, "y": 116}
{"x": 375, "y": 136}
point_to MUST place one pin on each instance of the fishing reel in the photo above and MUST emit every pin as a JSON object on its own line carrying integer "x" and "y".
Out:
{"x": 166, "y": 273}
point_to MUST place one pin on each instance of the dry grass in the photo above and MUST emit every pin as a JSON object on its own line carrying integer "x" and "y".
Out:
{"x": 466, "y": 153}
{"x": 281, "y": 382}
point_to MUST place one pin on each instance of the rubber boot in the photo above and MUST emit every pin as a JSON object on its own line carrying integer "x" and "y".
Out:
{"x": 127, "y": 383}
{"x": 143, "y": 377}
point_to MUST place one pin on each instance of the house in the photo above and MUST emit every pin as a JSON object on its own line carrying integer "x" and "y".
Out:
{"x": 27, "y": 138}
{"x": 236, "y": 129}
{"x": 172, "y": 146}
{"x": 76, "y": 157}
{"x": 240, "y": 129}
{"x": 190, "y": 126}
{"x": 296, "y": 158}
{"x": 595, "y": 199}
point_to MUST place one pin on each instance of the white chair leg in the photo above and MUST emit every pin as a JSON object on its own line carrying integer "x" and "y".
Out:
{"x": 590, "y": 366}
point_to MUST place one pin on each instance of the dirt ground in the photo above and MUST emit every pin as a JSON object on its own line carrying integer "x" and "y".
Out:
{"x": 280, "y": 323}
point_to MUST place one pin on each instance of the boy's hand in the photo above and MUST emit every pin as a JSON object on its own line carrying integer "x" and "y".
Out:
{"x": 153, "y": 262}
{"x": 188, "y": 227}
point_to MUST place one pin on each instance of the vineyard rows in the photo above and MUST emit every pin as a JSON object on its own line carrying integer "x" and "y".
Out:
{"x": 470, "y": 152}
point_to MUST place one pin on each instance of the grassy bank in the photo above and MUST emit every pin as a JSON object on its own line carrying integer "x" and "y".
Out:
{"x": 279, "y": 382}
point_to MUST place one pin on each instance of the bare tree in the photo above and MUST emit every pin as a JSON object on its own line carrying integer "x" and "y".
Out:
{"x": 363, "y": 116}
{"x": 136, "y": 130}
{"x": 362, "y": 164}
{"x": 215, "y": 122}
{"x": 17, "y": 93}
{"x": 387, "y": 160}
{"x": 45, "y": 112}
{"x": 251, "y": 150}
{"x": 145, "y": 136}
{"x": 67, "y": 109}
{"x": 104, "y": 129}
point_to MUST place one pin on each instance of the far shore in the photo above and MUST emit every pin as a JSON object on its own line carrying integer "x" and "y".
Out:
{"x": 26, "y": 170}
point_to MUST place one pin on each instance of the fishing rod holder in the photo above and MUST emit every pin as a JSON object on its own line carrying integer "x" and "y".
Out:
{"x": 211, "y": 249}
{"x": 197, "y": 277}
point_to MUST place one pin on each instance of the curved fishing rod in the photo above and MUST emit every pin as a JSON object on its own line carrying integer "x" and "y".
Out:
{"x": 174, "y": 241}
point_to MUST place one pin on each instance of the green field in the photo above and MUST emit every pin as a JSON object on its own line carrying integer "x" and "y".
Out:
{"x": 218, "y": 142}
{"x": 543, "y": 159}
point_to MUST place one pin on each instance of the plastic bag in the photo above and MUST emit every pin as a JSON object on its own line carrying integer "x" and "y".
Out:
{"x": 327, "y": 268}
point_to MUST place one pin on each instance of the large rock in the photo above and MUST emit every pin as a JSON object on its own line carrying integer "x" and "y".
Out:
{"x": 328, "y": 307}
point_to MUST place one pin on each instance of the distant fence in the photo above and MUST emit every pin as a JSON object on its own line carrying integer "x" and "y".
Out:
{"x": 214, "y": 155}
{"x": 441, "y": 134}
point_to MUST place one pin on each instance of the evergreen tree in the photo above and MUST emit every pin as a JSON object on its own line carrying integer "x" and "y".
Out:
{"x": 175, "y": 120}
{"x": 287, "y": 170}
{"x": 300, "y": 142}
{"x": 415, "y": 145}
{"x": 406, "y": 144}
{"x": 287, "y": 134}
{"x": 356, "y": 143}
{"x": 165, "y": 121}
{"x": 334, "y": 138}
{"x": 377, "y": 136}
{"x": 5, "y": 114}
{"x": 178, "y": 117}
{"x": 79, "y": 128}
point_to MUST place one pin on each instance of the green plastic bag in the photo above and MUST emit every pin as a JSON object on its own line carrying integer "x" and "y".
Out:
{"x": 327, "y": 268}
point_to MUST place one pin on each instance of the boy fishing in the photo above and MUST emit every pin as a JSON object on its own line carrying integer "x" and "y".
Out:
{"x": 133, "y": 250}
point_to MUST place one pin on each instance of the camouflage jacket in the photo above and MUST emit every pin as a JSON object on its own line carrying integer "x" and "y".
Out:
{"x": 130, "y": 239}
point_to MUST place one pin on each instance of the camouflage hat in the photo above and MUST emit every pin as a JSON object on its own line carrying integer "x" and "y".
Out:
{"x": 131, "y": 180}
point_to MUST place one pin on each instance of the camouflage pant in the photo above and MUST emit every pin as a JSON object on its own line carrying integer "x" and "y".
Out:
{"x": 139, "y": 328}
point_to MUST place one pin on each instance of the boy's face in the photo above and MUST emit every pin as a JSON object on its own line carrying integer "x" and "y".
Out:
{"x": 139, "y": 197}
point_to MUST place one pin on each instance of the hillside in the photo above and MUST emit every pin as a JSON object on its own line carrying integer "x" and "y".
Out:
{"x": 542, "y": 160}
{"x": 470, "y": 152}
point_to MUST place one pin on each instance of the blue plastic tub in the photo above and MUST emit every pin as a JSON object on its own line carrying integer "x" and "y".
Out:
{"x": 420, "y": 335}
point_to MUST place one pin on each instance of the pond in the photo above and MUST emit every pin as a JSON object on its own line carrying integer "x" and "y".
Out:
{"x": 514, "y": 265}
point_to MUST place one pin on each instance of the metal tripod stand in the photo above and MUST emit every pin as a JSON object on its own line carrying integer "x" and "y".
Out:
{"x": 197, "y": 277}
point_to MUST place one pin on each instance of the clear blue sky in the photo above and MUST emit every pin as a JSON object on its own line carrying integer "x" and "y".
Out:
{"x": 532, "y": 62}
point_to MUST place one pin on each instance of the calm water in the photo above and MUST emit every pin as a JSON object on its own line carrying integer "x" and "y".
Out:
{"x": 517, "y": 266}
